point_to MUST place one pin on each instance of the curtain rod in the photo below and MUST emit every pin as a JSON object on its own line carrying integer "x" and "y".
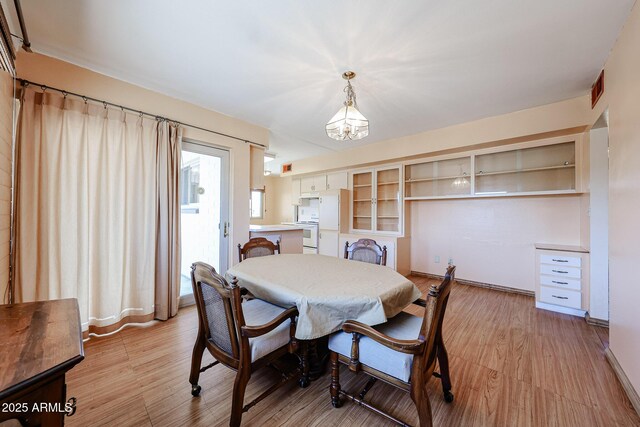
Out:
{"x": 26, "y": 83}
{"x": 26, "y": 44}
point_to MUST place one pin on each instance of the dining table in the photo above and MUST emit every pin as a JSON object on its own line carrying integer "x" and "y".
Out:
{"x": 327, "y": 291}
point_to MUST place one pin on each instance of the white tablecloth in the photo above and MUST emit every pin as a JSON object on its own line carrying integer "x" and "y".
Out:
{"x": 326, "y": 290}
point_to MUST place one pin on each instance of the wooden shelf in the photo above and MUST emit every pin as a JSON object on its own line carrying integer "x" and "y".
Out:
{"x": 362, "y": 216}
{"x": 388, "y": 183}
{"x": 361, "y": 185}
{"x": 361, "y": 200}
{"x": 388, "y": 200}
{"x": 388, "y": 216}
{"x": 546, "y": 168}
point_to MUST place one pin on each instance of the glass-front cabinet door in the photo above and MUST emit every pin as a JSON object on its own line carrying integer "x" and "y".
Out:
{"x": 363, "y": 201}
{"x": 377, "y": 200}
{"x": 387, "y": 200}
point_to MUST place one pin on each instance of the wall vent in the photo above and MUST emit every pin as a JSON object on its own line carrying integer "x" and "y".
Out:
{"x": 597, "y": 89}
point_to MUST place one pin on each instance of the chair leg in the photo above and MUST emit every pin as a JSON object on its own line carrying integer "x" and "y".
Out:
{"x": 239, "y": 387}
{"x": 443, "y": 361}
{"x": 421, "y": 400}
{"x": 304, "y": 380}
{"x": 335, "y": 381}
{"x": 196, "y": 360}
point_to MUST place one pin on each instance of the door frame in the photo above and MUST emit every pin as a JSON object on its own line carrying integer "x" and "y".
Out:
{"x": 224, "y": 227}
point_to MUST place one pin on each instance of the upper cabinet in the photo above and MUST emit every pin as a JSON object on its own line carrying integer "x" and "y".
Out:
{"x": 442, "y": 178}
{"x": 533, "y": 168}
{"x": 317, "y": 183}
{"x": 549, "y": 168}
{"x": 313, "y": 184}
{"x": 377, "y": 200}
{"x": 337, "y": 180}
{"x": 295, "y": 191}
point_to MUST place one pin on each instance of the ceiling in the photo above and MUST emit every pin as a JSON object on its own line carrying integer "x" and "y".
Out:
{"x": 277, "y": 63}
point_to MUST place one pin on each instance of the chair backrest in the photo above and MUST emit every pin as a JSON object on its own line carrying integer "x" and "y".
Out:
{"x": 256, "y": 247}
{"x": 215, "y": 301}
{"x": 436, "y": 305}
{"x": 366, "y": 250}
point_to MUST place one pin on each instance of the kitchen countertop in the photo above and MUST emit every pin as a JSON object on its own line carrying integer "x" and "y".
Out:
{"x": 566, "y": 248}
{"x": 274, "y": 227}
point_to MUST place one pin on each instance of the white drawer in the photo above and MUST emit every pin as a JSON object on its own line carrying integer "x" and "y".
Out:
{"x": 560, "y": 271}
{"x": 564, "y": 297}
{"x": 568, "y": 261}
{"x": 561, "y": 282}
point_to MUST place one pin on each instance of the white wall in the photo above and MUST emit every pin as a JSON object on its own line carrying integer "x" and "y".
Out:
{"x": 491, "y": 240}
{"x": 622, "y": 98}
{"x": 599, "y": 224}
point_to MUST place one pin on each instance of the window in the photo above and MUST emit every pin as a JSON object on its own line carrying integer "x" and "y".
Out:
{"x": 257, "y": 204}
{"x": 190, "y": 182}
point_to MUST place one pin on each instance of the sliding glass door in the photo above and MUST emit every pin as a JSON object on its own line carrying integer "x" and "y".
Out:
{"x": 204, "y": 187}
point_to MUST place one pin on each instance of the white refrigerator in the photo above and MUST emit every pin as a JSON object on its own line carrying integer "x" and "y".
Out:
{"x": 333, "y": 219}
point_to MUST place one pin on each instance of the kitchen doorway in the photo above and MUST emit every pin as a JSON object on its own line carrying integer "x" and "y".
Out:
{"x": 204, "y": 211}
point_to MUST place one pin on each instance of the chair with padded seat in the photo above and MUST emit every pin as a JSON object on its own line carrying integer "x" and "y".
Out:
{"x": 366, "y": 250}
{"x": 401, "y": 352}
{"x": 242, "y": 335}
{"x": 256, "y": 247}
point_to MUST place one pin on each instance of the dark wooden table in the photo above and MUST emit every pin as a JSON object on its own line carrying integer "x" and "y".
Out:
{"x": 39, "y": 343}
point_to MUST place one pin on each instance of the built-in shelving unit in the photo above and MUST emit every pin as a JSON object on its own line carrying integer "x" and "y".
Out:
{"x": 545, "y": 168}
{"x": 549, "y": 168}
{"x": 451, "y": 177}
{"x": 377, "y": 199}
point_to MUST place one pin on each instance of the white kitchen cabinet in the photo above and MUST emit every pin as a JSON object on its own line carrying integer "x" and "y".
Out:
{"x": 295, "y": 191}
{"x": 562, "y": 279}
{"x": 337, "y": 180}
{"x": 313, "y": 184}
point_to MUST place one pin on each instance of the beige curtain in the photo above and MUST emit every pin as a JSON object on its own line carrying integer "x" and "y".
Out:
{"x": 167, "y": 284}
{"x": 96, "y": 210}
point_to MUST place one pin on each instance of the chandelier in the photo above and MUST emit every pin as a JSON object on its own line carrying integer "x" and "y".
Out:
{"x": 348, "y": 122}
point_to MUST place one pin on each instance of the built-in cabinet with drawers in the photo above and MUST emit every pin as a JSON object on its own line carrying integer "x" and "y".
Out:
{"x": 377, "y": 200}
{"x": 562, "y": 278}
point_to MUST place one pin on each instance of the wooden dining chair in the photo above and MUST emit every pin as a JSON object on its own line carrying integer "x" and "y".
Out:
{"x": 401, "y": 352}
{"x": 243, "y": 336}
{"x": 257, "y": 246}
{"x": 366, "y": 250}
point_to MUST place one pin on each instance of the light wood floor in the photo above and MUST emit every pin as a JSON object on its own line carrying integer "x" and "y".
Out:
{"x": 511, "y": 365}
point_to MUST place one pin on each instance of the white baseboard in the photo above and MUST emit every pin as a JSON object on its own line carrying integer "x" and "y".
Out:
{"x": 631, "y": 392}
{"x": 560, "y": 309}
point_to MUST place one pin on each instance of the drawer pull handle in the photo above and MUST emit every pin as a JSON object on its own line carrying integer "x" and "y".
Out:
{"x": 556, "y": 296}
{"x": 559, "y": 260}
{"x": 560, "y": 271}
{"x": 560, "y": 283}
